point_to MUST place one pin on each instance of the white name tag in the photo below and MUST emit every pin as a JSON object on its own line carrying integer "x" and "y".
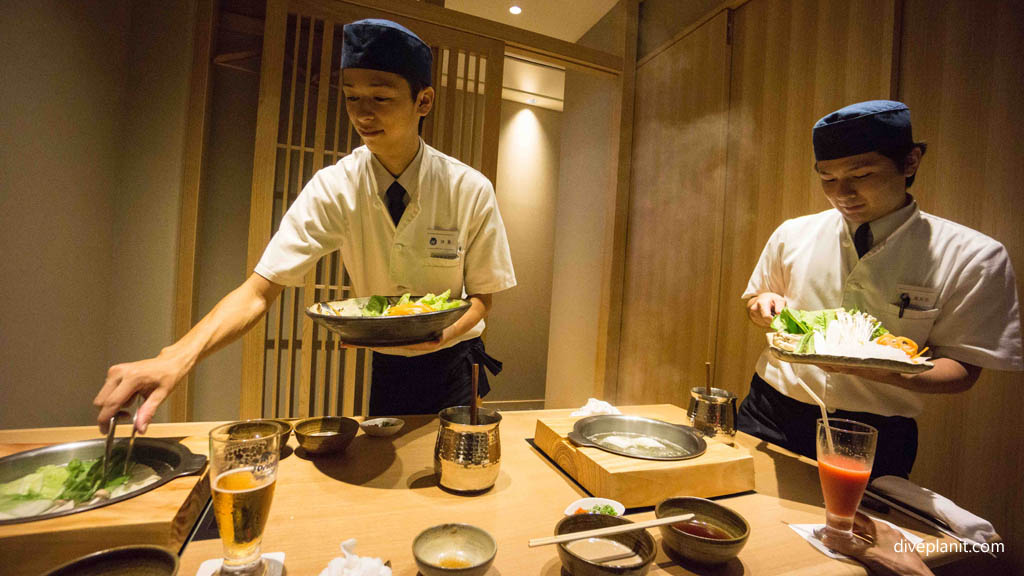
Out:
{"x": 443, "y": 243}
{"x": 920, "y": 297}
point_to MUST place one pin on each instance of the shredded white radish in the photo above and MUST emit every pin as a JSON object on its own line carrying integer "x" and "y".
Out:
{"x": 850, "y": 335}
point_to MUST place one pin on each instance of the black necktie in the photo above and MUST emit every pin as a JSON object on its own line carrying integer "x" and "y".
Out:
{"x": 396, "y": 201}
{"x": 862, "y": 239}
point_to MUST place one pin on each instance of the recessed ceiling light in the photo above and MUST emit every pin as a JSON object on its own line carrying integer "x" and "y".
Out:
{"x": 531, "y": 101}
{"x": 515, "y": 9}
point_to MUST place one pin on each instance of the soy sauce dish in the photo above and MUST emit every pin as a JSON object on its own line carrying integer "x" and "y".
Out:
{"x": 626, "y": 554}
{"x": 714, "y": 536}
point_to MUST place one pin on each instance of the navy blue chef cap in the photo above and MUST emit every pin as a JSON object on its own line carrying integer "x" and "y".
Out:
{"x": 862, "y": 127}
{"x": 384, "y": 45}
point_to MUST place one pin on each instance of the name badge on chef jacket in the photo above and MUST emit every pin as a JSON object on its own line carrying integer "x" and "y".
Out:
{"x": 917, "y": 297}
{"x": 443, "y": 243}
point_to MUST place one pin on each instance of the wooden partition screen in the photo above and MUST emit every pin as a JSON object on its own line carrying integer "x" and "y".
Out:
{"x": 290, "y": 366}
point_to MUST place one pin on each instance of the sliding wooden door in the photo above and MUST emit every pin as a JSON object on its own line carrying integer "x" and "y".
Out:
{"x": 290, "y": 366}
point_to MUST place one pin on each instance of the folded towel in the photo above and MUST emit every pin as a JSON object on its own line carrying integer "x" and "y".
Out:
{"x": 595, "y": 406}
{"x": 961, "y": 522}
{"x": 352, "y": 565}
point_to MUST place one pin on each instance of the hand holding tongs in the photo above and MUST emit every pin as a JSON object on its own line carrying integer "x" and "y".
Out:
{"x": 134, "y": 402}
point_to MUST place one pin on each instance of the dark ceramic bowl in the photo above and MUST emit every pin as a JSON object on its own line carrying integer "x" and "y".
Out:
{"x": 325, "y": 434}
{"x": 697, "y": 548}
{"x": 383, "y": 330}
{"x": 454, "y": 550}
{"x": 122, "y": 561}
{"x": 639, "y": 541}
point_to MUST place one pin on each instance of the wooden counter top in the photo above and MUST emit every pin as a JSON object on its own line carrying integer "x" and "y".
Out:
{"x": 382, "y": 491}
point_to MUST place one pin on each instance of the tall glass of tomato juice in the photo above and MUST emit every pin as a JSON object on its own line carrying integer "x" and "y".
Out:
{"x": 844, "y": 466}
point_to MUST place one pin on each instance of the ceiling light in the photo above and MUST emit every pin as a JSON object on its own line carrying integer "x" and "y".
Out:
{"x": 515, "y": 9}
{"x": 531, "y": 101}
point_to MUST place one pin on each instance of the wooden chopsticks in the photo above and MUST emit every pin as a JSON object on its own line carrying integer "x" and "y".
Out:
{"x": 610, "y": 530}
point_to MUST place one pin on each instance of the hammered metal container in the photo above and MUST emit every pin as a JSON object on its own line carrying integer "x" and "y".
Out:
{"x": 467, "y": 457}
{"x": 713, "y": 414}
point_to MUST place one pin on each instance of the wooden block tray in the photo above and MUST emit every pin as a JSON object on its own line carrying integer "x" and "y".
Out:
{"x": 722, "y": 469}
{"x": 162, "y": 517}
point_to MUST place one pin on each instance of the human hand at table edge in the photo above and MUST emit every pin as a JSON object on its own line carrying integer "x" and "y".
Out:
{"x": 762, "y": 308}
{"x": 880, "y": 555}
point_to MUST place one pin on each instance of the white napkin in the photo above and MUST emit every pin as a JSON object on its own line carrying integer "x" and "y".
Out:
{"x": 595, "y": 406}
{"x": 274, "y": 561}
{"x": 962, "y": 522}
{"x": 809, "y": 532}
{"x": 352, "y": 565}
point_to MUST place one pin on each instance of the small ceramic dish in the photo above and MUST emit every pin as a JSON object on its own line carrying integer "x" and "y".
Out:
{"x": 454, "y": 550}
{"x": 625, "y": 554}
{"x": 325, "y": 434}
{"x": 729, "y": 530}
{"x": 382, "y": 426}
{"x": 587, "y": 504}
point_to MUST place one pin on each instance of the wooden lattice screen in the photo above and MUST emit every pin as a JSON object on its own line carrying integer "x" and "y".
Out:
{"x": 292, "y": 367}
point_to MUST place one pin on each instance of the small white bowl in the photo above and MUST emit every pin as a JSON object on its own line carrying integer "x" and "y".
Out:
{"x": 588, "y": 503}
{"x": 382, "y": 426}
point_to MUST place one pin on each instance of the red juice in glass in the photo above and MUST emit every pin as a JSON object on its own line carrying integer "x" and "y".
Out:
{"x": 846, "y": 451}
{"x": 843, "y": 480}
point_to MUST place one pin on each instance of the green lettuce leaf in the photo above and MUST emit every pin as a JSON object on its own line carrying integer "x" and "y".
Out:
{"x": 375, "y": 306}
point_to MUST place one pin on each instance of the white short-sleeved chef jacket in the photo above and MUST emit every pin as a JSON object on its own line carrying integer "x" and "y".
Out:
{"x": 961, "y": 283}
{"x": 450, "y": 236}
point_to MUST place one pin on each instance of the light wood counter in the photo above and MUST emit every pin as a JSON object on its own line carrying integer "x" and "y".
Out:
{"x": 383, "y": 492}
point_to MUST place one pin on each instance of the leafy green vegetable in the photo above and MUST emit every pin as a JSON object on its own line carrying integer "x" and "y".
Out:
{"x": 46, "y": 482}
{"x": 788, "y": 321}
{"x": 606, "y": 509}
{"x": 378, "y": 305}
{"x": 375, "y": 306}
{"x": 85, "y": 477}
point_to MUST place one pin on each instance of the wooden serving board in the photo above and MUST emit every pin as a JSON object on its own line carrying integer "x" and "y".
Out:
{"x": 722, "y": 469}
{"x": 162, "y": 517}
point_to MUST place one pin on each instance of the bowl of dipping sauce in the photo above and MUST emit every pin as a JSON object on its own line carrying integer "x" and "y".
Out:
{"x": 454, "y": 549}
{"x": 716, "y": 534}
{"x": 382, "y": 426}
{"x": 627, "y": 554}
{"x": 325, "y": 434}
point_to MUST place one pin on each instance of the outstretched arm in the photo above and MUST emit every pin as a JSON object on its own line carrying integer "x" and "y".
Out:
{"x": 156, "y": 377}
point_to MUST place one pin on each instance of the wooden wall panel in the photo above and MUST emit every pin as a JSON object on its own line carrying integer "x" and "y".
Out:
{"x": 793, "y": 62}
{"x": 961, "y": 75}
{"x": 675, "y": 206}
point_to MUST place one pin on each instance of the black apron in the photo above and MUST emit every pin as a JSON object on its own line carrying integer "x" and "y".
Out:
{"x": 771, "y": 415}
{"x": 429, "y": 383}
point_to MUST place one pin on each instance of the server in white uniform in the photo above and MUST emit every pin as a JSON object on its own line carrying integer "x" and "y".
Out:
{"x": 406, "y": 218}
{"x": 935, "y": 281}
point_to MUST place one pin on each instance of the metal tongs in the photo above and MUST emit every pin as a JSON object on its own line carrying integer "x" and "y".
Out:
{"x": 134, "y": 402}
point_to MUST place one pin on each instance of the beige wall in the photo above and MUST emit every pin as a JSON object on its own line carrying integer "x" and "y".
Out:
{"x": 224, "y": 231}
{"x": 527, "y": 189}
{"x": 61, "y": 100}
{"x": 586, "y": 178}
{"x": 147, "y": 198}
{"x": 90, "y": 139}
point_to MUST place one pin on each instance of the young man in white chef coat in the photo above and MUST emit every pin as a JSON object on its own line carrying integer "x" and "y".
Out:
{"x": 939, "y": 283}
{"x": 406, "y": 218}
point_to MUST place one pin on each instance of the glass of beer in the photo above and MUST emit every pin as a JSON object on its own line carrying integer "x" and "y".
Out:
{"x": 844, "y": 467}
{"x": 243, "y": 471}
